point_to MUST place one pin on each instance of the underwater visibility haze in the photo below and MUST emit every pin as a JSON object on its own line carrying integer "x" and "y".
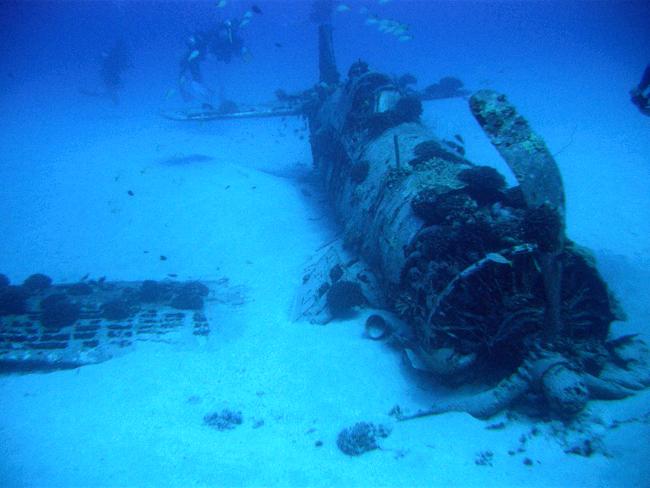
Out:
{"x": 324, "y": 243}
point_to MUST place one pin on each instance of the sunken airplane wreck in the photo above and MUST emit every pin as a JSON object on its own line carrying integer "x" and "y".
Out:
{"x": 487, "y": 286}
{"x": 481, "y": 278}
{"x": 490, "y": 287}
{"x": 47, "y": 326}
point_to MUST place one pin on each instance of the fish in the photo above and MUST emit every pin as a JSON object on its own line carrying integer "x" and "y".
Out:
{"x": 278, "y": 44}
{"x": 342, "y": 7}
{"x": 194, "y": 54}
{"x": 372, "y": 20}
{"x": 246, "y": 55}
{"x": 256, "y": 9}
{"x": 221, "y": 3}
{"x": 181, "y": 159}
{"x": 248, "y": 14}
{"x": 385, "y": 25}
{"x": 495, "y": 257}
{"x": 245, "y": 22}
{"x": 405, "y": 38}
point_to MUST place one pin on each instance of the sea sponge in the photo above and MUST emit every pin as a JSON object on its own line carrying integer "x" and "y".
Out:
{"x": 431, "y": 149}
{"x": 37, "y": 282}
{"x": 484, "y": 184}
{"x": 447, "y": 87}
{"x": 343, "y": 296}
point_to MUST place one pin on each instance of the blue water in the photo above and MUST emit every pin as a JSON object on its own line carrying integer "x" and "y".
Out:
{"x": 68, "y": 159}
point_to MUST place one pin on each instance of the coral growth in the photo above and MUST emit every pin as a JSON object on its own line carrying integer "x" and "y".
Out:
{"x": 424, "y": 205}
{"x": 360, "y": 438}
{"x": 224, "y": 420}
{"x": 431, "y": 149}
{"x": 454, "y": 206}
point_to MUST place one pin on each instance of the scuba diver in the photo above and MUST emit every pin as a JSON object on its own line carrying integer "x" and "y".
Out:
{"x": 640, "y": 95}
{"x": 223, "y": 42}
{"x": 113, "y": 63}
